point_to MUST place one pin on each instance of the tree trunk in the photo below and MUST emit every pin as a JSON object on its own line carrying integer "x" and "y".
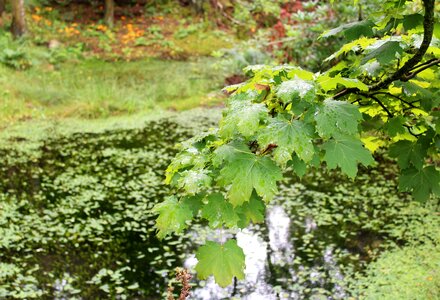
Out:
{"x": 2, "y": 7}
{"x": 109, "y": 15}
{"x": 18, "y": 27}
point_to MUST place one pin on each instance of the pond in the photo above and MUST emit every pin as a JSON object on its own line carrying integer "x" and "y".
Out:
{"x": 75, "y": 221}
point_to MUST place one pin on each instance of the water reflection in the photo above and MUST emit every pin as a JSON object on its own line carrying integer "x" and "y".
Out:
{"x": 314, "y": 227}
{"x": 276, "y": 246}
{"x": 279, "y": 236}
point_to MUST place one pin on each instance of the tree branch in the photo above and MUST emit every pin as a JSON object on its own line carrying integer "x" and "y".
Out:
{"x": 345, "y": 92}
{"x": 428, "y": 30}
{"x": 389, "y": 113}
{"x": 396, "y": 97}
{"x": 422, "y": 67}
{"x": 411, "y": 132}
{"x": 430, "y": 62}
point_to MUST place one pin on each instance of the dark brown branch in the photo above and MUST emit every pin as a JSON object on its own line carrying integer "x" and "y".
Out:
{"x": 358, "y": 101}
{"x": 268, "y": 149}
{"x": 430, "y": 62}
{"x": 389, "y": 113}
{"x": 411, "y": 132}
{"x": 423, "y": 68}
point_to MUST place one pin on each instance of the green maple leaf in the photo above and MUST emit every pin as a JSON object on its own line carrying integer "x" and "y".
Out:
{"x": 436, "y": 124}
{"x": 189, "y": 157}
{"x": 412, "y": 21}
{"x": 422, "y": 182}
{"x": 245, "y": 171}
{"x": 218, "y": 212}
{"x": 173, "y": 216}
{"x": 346, "y": 152}
{"x": 193, "y": 180}
{"x": 244, "y": 117}
{"x": 353, "y": 30}
{"x": 296, "y": 89}
{"x": 408, "y": 153}
{"x": 293, "y": 72}
{"x": 289, "y": 136}
{"x": 252, "y": 211}
{"x": 384, "y": 54}
{"x": 329, "y": 83}
{"x": 337, "y": 117}
{"x": 194, "y": 203}
{"x": 223, "y": 261}
{"x": 437, "y": 30}
{"x": 394, "y": 126}
{"x": 298, "y": 166}
{"x": 411, "y": 89}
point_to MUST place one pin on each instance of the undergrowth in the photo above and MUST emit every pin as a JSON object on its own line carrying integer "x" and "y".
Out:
{"x": 96, "y": 89}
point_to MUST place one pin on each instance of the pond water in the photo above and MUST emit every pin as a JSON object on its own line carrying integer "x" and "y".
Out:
{"x": 270, "y": 247}
{"x": 75, "y": 221}
{"x": 255, "y": 248}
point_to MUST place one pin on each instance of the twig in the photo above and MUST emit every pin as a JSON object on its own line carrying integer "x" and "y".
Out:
{"x": 359, "y": 102}
{"x": 427, "y": 63}
{"x": 423, "y": 67}
{"x": 411, "y": 132}
{"x": 389, "y": 113}
{"x": 397, "y": 97}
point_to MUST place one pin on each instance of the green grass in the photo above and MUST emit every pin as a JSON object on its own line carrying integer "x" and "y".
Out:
{"x": 97, "y": 89}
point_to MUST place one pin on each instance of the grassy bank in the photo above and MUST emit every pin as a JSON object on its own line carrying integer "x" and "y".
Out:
{"x": 96, "y": 89}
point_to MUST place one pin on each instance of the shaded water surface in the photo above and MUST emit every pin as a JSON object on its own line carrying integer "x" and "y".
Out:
{"x": 75, "y": 222}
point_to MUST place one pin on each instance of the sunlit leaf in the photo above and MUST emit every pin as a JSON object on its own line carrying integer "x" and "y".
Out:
{"x": 372, "y": 143}
{"x": 329, "y": 83}
{"x": 224, "y": 262}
